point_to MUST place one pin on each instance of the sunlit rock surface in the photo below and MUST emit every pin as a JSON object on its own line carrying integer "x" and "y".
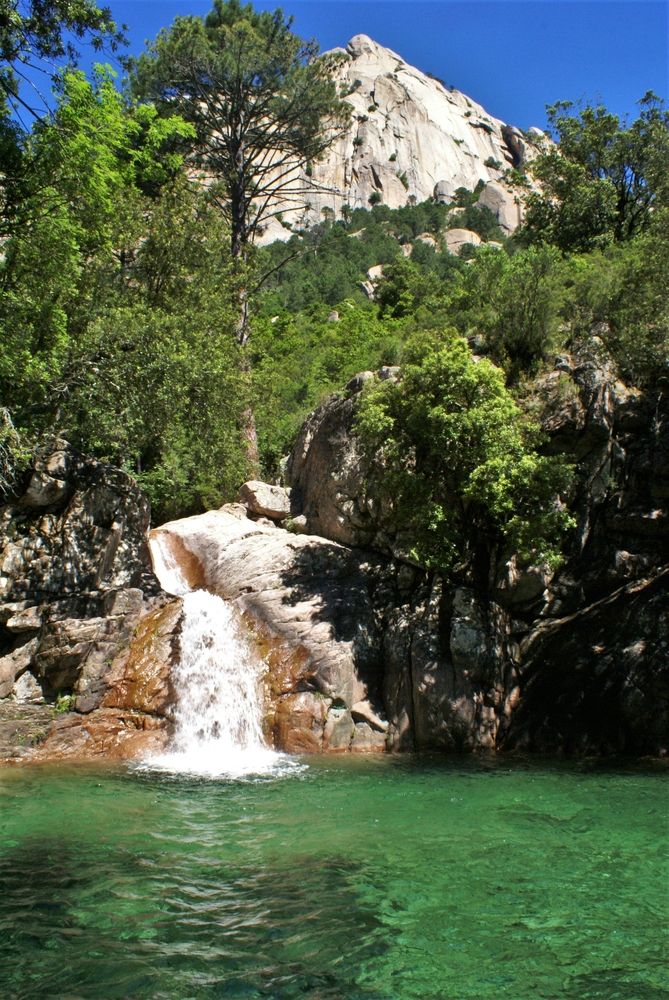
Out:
{"x": 411, "y": 137}
{"x": 310, "y": 605}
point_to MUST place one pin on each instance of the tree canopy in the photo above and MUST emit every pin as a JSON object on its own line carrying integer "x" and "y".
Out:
{"x": 460, "y": 459}
{"x": 602, "y": 180}
{"x": 35, "y": 35}
{"x": 262, "y": 103}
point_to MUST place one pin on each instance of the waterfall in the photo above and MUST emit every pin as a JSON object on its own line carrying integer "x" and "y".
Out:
{"x": 217, "y": 717}
{"x": 166, "y": 565}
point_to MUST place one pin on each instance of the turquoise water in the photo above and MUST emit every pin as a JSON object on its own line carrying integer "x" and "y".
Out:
{"x": 354, "y": 878}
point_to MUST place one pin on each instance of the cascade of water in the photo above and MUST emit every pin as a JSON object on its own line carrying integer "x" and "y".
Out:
{"x": 166, "y": 565}
{"x": 217, "y": 719}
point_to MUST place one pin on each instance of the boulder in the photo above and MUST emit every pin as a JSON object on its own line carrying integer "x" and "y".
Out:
{"x": 266, "y": 500}
{"x": 308, "y": 603}
{"x": 456, "y": 239}
{"x": 27, "y": 691}
{"x": 429, "y": 240}
{"x": 12, "y": 664}
{"x": 504, "y": 205}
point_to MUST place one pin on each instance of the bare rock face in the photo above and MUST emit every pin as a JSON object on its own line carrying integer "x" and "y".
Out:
{"x": 522, "y": 658}
{"x": 75, "y": 585}
{"x": 504, "y": 206}
{"x": 265, "y": 500}
{"x": 456, "y": 239}
{"x": 411, "y": 137}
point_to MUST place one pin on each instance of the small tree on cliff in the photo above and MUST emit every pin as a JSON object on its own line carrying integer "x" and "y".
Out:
{"x": 462, "y": 471}
{"x": 262, "y": 105}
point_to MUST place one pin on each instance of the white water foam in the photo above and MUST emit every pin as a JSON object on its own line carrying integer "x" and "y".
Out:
{"x": 217, "y": 718}
{"x": 166, "y": 565}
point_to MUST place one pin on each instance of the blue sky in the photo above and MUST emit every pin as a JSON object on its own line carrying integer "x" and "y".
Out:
{"x": 513, "y": 56}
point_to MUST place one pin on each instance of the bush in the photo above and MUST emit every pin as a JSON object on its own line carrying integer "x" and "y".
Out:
{"x": 462, "y": 466}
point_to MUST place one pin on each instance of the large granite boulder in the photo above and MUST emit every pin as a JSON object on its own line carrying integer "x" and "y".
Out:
{"x": 455, "y": 240}
{"x": 504, "y": 204}
{"x": 266, "y": 500}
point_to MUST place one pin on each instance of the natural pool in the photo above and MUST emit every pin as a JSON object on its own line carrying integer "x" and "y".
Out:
{"x": 387, "y": 877}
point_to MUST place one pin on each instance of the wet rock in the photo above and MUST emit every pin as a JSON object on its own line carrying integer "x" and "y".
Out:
{"x": 338, "y": 731}
{"x": 309, "y": 603}
{"x": 75, "y": 580}
{"x": 367, "y": 740}
{"x": 299, "y": 722}
{"x": 113, "y": 734}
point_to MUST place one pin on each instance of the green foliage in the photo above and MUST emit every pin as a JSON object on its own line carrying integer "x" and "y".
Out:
{"x": 230, "y": 74}
{"x": 63, "y": 703}
{"x": 403, "y": 289}
{"x": 461, "y": 462}
{"x": 14, "y": 456}
{"x": 481, "y": 220}
{"x": 512, "y": 304}
{"x": 602, "y": 181}
{"x": 155, "y": 382}
{"x": 38, "y": 35}
{"x": 82, "y": 173}
{"x": 621, "y": 293}
{"x": 299, "y": 359}
{"x": 118, "y": 301}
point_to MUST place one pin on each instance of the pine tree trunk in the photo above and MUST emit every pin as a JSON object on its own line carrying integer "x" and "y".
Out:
{"x": 248, "y": 423}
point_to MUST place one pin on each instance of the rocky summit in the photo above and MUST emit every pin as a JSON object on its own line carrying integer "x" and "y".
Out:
{"x": 411, "y": 137}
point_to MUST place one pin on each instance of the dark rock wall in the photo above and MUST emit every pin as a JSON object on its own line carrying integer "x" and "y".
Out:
{"x": 574, "y": 662}
{"x": 75, "y": 578}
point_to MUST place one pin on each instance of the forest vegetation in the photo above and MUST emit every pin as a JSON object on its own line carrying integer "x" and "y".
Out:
{"x": 122, "y": 275}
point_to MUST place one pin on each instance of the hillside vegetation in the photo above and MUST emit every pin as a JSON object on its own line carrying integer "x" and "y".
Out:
{"x": 120, "y": 295}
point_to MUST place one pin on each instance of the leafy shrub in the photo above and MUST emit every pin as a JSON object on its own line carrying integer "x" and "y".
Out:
{"x": 463, "y": 469}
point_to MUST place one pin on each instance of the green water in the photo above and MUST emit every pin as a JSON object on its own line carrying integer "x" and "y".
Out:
{"x": 357, "y": 878}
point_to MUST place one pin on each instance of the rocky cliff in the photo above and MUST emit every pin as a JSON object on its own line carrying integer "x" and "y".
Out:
{"x": 364, "y": 650}
{"x": 76, "y": 589}
{"x": 412, "y": 137}
{"x": 577, "y": 661}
